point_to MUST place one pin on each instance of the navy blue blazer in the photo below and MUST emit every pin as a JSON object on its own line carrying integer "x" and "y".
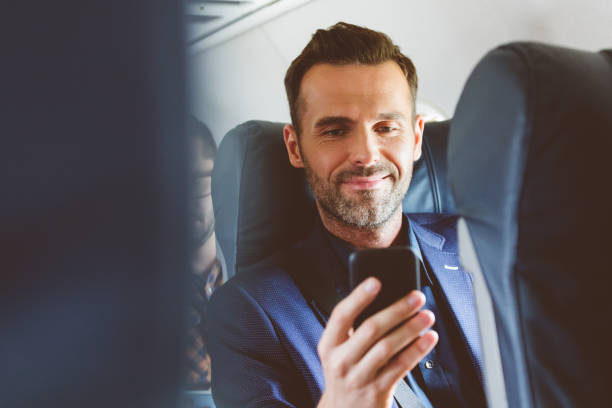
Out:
{"x": 266, "y": 322}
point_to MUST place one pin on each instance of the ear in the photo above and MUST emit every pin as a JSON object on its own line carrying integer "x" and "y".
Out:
{"x": 419, "y": 123}
{"x": 293, "y": 147}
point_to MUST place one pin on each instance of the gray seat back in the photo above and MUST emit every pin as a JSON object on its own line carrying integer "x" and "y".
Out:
{"x": 529, "y": 169}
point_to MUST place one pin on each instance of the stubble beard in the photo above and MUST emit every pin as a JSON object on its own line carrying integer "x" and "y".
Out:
{"x": 369, "y": 209}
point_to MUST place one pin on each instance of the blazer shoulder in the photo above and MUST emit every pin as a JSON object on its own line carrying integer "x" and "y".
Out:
{"x": 267, "y": 286}
{"x": 258, "y": 280}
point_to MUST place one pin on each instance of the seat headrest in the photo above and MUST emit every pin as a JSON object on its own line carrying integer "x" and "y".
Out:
{"x": 262, "y": 204}
{"x": 529, "y": 165}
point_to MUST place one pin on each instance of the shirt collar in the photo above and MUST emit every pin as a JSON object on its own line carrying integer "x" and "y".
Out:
{"x": 343, "y": 249}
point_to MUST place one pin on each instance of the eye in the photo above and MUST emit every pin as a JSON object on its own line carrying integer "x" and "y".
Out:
{"x": 386, "y": 129}
{"x": 334, "y": 132}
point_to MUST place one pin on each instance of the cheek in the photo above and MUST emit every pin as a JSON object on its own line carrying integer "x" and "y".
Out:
{"x": 401, "y": 153}
{"x": 324, "y": 160}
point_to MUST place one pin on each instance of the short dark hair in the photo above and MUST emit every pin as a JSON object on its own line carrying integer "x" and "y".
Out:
{"x": 197, "y": 129}
{"x": 343, "y": 44}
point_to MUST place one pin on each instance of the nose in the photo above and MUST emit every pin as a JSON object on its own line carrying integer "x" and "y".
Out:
{"x": 364, "y": 148}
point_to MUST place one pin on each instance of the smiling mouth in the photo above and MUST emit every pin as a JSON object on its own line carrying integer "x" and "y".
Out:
{"x": 365, "y": 183}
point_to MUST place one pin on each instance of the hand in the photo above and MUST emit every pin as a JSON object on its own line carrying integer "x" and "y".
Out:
{"x": 362, "y": 369}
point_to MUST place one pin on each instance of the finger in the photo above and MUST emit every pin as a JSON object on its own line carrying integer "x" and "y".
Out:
{"x": 384, "y": 351}
{"x": 407, "y": 359}
{"x": 376, "y": 326}
{"x": 345, "y": 312}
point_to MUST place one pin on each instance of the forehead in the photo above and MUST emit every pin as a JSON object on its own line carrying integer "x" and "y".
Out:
{"x": 354, "y": 89}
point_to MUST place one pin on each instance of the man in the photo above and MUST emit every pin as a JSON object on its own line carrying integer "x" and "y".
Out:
{"x": 206, "y": 267}
{"x": 290, "y": 339}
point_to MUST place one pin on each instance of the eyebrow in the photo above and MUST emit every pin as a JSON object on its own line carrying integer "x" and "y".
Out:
{"x": 390, "y": 116}
{"x": 333, "y": 120}
{"x": 343, "y": 120}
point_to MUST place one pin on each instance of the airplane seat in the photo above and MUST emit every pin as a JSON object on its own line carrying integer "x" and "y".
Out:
{"x": 262, "y": 204}
{"x": 528, "y": 164}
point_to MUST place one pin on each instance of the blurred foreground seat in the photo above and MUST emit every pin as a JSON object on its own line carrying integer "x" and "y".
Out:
{"x": 529, "y": 169}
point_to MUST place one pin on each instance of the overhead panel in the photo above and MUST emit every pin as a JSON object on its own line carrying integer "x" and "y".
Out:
{"x": 210, "y": 22}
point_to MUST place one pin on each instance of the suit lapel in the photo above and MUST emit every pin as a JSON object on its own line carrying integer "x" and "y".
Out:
{"x": 442, "y": 257}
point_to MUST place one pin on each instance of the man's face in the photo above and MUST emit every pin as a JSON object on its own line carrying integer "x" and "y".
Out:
{"x": 358, "y": 140}
{"x": 201, "y": 202}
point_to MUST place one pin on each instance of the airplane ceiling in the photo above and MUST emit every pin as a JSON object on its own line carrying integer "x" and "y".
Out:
{"x": 210, "y": 22}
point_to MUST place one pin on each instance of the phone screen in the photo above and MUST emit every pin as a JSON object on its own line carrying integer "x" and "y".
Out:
{"x": 397, "y": 268}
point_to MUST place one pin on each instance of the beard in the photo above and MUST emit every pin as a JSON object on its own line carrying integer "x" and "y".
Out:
{"x": 366, "y": 209}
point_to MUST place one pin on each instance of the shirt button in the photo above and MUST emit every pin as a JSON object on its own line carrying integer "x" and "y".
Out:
{"x": 429, "y": 364}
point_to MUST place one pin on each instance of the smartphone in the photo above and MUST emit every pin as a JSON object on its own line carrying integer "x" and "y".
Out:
{"x": 397, "y": 268}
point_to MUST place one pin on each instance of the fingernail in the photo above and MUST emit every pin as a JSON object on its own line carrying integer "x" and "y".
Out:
{"x": 371, "y": 285}
{"x": 426, "y": 342}
{"x": 426, "y": 316}
{"x": 413, "y": 298}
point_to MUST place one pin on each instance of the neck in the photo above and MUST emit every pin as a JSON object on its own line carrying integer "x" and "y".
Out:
{"x": 381, "y": 236}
